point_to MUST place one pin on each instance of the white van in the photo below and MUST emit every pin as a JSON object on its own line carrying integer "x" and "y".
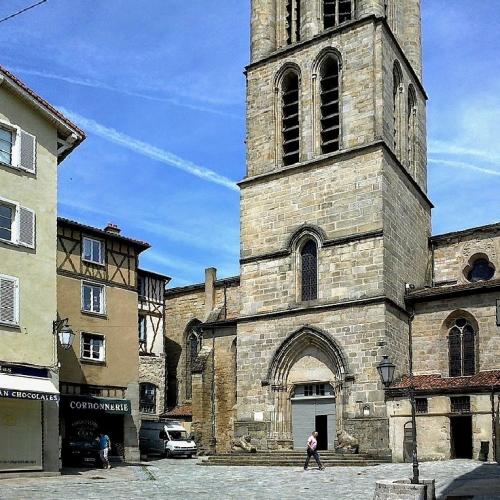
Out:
{"x": 166, "y": 437}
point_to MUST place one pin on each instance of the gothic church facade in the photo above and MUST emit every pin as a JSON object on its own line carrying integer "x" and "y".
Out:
{"x": 335, "y": 222}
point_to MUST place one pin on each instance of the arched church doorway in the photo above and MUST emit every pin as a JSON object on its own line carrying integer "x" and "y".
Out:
{"x": 306, "y": 378}
{"x": 314, "y": 409}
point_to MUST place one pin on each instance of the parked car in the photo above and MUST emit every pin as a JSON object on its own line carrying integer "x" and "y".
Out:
{"x": 167, "y": 438}
{"x": 78, "y": 452}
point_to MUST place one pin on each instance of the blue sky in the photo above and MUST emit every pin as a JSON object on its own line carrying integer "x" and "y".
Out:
{"x": 159, "y": 88}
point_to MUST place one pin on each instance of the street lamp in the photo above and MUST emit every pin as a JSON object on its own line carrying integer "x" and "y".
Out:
{"x": 386, "y": 371}
{"x": 64, "y": 332}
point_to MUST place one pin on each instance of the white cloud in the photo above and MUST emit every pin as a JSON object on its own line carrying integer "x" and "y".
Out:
{"x": 150, "y": 151}
{"x": 96, "y": 84}
{"x": 465, "y": 166}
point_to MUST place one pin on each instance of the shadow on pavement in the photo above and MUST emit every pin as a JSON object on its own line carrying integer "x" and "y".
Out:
{"x": 482, "y": 483}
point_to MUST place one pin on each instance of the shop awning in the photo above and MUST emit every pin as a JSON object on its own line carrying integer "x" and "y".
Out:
{"x": 21, "y": 387}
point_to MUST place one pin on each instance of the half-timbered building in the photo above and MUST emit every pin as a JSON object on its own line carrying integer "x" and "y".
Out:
{"x": 151, "y": 332}
{"x": 97, "y": 291}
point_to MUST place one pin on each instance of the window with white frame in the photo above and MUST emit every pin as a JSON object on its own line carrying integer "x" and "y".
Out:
{"x": 17, "y": 224}
{"x": 93, "y": 250}
{"x": 6, "y": 145}
{"x": 93, "y": 347}
{"x": 93, "y": 298}
{"x": 9, "y": 300}
{"x": 17, "y": 148}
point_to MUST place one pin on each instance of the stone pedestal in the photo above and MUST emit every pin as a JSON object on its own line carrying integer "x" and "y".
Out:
{"x": 405, "y": 490}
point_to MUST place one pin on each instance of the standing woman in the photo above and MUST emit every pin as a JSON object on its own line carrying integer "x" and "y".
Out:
{"x": 312, "y": 451}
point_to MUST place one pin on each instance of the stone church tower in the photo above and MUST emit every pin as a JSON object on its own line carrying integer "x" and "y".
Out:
{"x": 335, "y": 219}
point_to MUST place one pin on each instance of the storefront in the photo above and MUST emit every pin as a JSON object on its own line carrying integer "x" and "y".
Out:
{"x": 27, "y": 397}
{"x": 84, "y": 417}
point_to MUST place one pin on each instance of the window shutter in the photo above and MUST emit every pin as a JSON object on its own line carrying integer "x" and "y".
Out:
{"x": 28, "y": 152}
{"x": 26, "y": 227}
{"x": 8, "y": 300}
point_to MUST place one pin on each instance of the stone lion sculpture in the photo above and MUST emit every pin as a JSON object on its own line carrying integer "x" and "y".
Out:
{"x": 346, "y": 442}
{"x": 244, "y": 444}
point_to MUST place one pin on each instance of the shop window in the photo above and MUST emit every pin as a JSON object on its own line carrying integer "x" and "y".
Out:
{"x": 93, "y": 347}
{"x": 422, "y": 405}
{"x": 460, "y": 404}
{"x": 147, "y": 398}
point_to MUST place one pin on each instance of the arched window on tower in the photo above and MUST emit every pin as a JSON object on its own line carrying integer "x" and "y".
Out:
{"x": 290, "y": 118}
{"x": 309, "y": 270}
{"x": 412, "y": 130}
{"x": 330, "y": 105}
{"x": 292, "y": 21}
{"x": 336, "y": 12}
{"x": 462, "y": 349}
{"x": 193, "y": 345}
{"x": 397, "y": 79}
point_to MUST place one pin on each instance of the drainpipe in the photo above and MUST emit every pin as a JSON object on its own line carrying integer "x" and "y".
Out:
{"x": 493, "y": 424}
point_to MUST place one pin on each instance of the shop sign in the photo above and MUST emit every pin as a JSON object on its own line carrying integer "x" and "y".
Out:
{"x": 34, "y": 396}
{"x": 27, "y": 371}
{"x": 106, "y": 405}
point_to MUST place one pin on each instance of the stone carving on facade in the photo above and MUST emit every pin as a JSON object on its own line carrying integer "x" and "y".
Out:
{"x": 346, "y": 442}
{"x": 244, "y": 444}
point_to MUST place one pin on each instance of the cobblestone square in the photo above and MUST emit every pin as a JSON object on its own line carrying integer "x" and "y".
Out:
{"x": 183, "y": 479}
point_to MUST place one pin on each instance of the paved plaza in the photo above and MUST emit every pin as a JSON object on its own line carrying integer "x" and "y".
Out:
{"x": 183, "y": 479}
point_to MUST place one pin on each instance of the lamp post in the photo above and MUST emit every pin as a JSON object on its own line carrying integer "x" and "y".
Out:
{"x": 386, "y": 371}
{"x": 64, "y": 332}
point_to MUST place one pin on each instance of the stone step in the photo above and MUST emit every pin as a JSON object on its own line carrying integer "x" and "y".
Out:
{"x": 288, "y": 463}
{"x": 298, "y": 456}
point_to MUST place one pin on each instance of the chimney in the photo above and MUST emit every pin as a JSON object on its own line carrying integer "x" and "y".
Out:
{"x": 210, "y": 278}
{"x": 112, "y": 228}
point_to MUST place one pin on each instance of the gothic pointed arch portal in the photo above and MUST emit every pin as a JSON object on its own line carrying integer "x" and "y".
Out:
{"x": 306, "y": 373}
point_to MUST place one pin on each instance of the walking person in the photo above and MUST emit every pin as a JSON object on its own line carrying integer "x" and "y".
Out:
{"x": 104, "y": 447}
{"x": 312, "y": 451}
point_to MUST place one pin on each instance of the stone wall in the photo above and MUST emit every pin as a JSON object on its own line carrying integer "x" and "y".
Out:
{"x": 358, "y": 330}
{"x": 433, "y": 428}
{"x": 268, "y": 25}
{"x": 431, "y": 325}
{"x": 152, "y": 369}
{"x": 183, "y": 306}
{"x": 454, "y": 251}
